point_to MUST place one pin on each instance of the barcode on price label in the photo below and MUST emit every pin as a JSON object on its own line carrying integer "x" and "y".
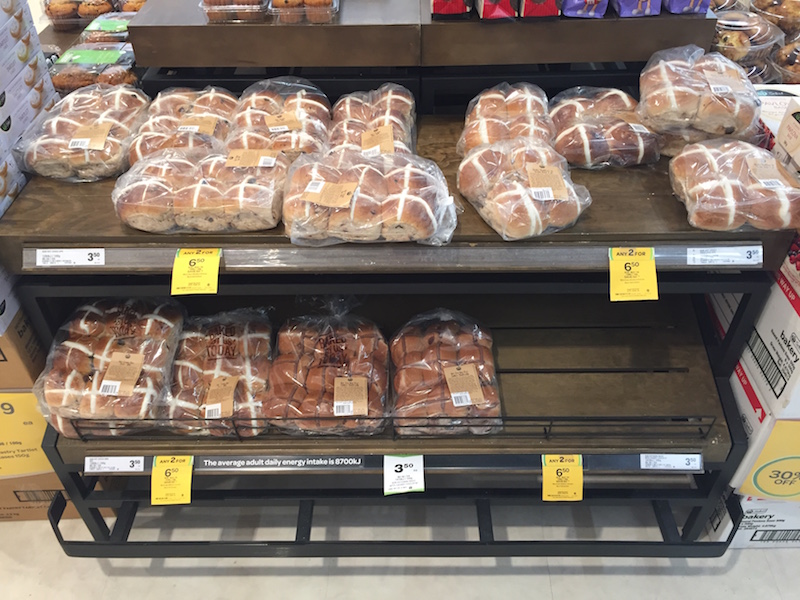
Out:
{"x": 461, "y": 399}
{"x": 771, "y": 183}
{"x": 278, "y": 129}
{"x": 372, "y": 152}
{"x": 192, "y": 128}
{"x": 79, "y": 143}
{"x": 639, "y": 128}
{"x": 671, "y": 462}
{"x": 720, "y": 90}
{"x": 733, "y": 255}
{"x": 214, "y": 411}
{"x": 314, "y": 187}
{"x": 110, "y": 388}
{"x": 266, "y": 161}
{"x": 70, "y": 257}
{"x": 97, "y": 465}
{"x": 544, "y": 193}
{"x": 343, "y": 408}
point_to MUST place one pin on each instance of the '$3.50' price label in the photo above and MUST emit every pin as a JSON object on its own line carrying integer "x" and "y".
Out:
{"x": 403, "y": 474}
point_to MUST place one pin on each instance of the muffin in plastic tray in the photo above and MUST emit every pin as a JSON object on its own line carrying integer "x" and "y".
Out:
{"x": 235, "y": 11}
{"x": 745, "y": 37}
{"x": 300, "y": 11}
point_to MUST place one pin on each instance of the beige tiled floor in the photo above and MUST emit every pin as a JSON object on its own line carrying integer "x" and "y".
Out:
{"x": 33, "y": 566}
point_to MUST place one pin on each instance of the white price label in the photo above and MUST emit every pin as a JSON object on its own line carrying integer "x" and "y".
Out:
{"x": 267, "y": 161}
{"x": 639, "y": 128}
{"x": 70, "y": 257}
{"x": 189, "y": 128}
{"x": 461, "y": 399}
{"x": 373, "y": 152}
{"x": 542, "y": 193}
{"x": 343, "y": 408}
{"x": 314, "y": 187}
{"x": 110, "y": 388}
{"x": 671, "y": 462}
{"x": 99, "y": 465}
{"x": 278, "y": 129}
{"x": 213, "y": 411}
{"x": 734, "y": 255}
{"x": 403, "y": 474}
{"x": 79, "y": 143}
{"x": 721, "y": 90}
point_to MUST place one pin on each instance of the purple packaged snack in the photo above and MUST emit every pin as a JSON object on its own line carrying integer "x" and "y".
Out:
{"x": 679, "y": 7}
{"x": 637, "y": 8}
{"x": 585, "y": 9}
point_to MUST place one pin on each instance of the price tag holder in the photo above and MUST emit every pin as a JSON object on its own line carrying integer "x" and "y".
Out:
{"x": 104, "y": 465}
{"x": 632, "y": 274}
{"x": 171, "y": 480}
{"x": 671, "y": 462}
{"x": 196, "y": 271}
{"x": 70, "y": 257}
{"x": 562, "y": 477}
{"x": 733, "y": 255}
{"x": 403, "y": 474}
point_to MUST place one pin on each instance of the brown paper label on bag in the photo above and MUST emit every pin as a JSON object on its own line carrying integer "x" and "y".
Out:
{"x": 251, "y": 158}
{"x": 378, "y": 141}
{"x": 722, "y": 85}
{"x": 332, "y": 195}
{"x": 283, "y": 122}
{"x": 90, "y": 137}
{"x": 765, "y": 170}
{"x": 350, "y": 396}
{"x": 206, "y": 125}
{"x": 219, "y": 399}
{"x": 547, "y": 183}
{"x": 789, "y": 132}
{"x": 464, "y": 384}
{"x": 122, "y": 374}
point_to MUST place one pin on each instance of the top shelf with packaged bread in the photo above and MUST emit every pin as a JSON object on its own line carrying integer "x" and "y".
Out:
{"x": 399, "y": 33}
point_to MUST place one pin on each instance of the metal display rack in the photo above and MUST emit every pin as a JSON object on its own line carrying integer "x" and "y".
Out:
{"x": 578, "y": 374}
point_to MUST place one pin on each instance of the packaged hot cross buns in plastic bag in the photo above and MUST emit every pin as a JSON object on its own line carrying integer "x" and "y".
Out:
{"x": 598, "y": 127}
{"x": 329, "y": 376}
{"x": 85, "y": 137}
{"x": 444, "y": 377}
{"x": 683, "y": 91}
{"x": 387, "y": 116}
{"x": 289, "y": 114}
{"x": 221, "y": 373}
{"x": 188, "y": 191}
{"x": 344, "y": 196}
{"x": 521, "y": 188}
{"x": 185, "y": 119}
{"x": 109, "y": 368}
{"x": 505, "y": 112}
{"x": 726, "y": 184}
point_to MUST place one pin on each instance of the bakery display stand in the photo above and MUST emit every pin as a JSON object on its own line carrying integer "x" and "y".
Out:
{"x": 639, "y": 389}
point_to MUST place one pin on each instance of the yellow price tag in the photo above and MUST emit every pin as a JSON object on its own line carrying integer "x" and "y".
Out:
{"x": 633, "y": 274}
{"x": 196, "y": 271}
{"x": 171, "y": 480}
{"x": 562, "y": 477}
{"x": 21, "y": 430}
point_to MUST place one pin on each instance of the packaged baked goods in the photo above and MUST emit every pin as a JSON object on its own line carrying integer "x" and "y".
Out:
{"x": 129, "y": 5}
{"x": 221, "y": 373}
{"x": 786, "y": 60}
{"x": 494, "y": 10}
{"x": 718, "y": 5}
{"x": 190, "y": 191}
{"x": 521, "y": 188}
{"x": 289, "y": 114}
{"x": 75, "y": 14}
{"x": 329, "y": 377}
{"x": 763, "y": 71}
{"x": 684, "y": 91}
{"x": 444, "y": 377}
{"x": 87, "y": 64}
{"x": 184, "y": 118}
{"x": 637, "y": 8}
{"x": 536, "y": 9}
{"x": 450, "y": 9}
{"x": 506, "y": 112}
{"x": 728, "y": 184}
{"x": 109, "y": 366}
{"x": 680, "y": 7}
{"x": 585, "y": 9}
{"x": 86, "y": 136}
{"x": 343, "y": 196}
{"x": 109, "y": 28}
{"x": 745, "y": 37}
{"x": 783, "y": 13}
{"x": 387, "y": 116}
{"x": 235, "y": 11}
{"x": 298, "y": 11}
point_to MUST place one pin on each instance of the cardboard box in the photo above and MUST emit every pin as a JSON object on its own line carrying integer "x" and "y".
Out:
{"x": 9, "y": 7}
{"x": 15, "y": 120}
{"x": 33, "y": 76}
{"x": 14, "y": 29}
{"x": 13, "y": 62}
{"x": 22, "y": 357}
{"x": 28, "y": 498}
{"x": 775, "y": 99}
{"x": 775, "y": 472}
{"x": 766, "y": 524}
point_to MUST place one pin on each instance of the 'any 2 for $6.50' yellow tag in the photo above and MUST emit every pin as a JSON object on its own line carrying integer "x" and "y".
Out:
{"x": 196, "y": 271}
{"x": 562, "y": 477}
{"x": 171, "y": 480}
{"x": 632, "y": 273}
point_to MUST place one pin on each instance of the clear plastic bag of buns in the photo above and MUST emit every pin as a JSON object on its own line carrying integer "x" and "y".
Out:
{"x": 344, "y": 196}
{"x": 132, "y": 340}
{"x": 505, "y": 112}
{"x": 444, "y": 377}
{"x": 684, "y": 89}
{"x": 521, "y": 188}
{"x": 189, "y": 191}
{"x": 599, "y": 127}
{"x": 185, "y": 118}
{"x": 221, "y": 374}
{"x": 86, "y": 136}
{"x": 289, "y": 114}
{"x": 727, "y": 184}
{"x": 391, "y": 106}
{"x": 329, "y": 376}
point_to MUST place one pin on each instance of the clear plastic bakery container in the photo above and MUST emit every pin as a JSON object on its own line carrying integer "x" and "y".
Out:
{"x": 745, "y": 37}
{"x": 783, "y": 13}
{"x": 763, "y": 72}
{"x": 303, "y": 11}
{"x": 240, "y": 11}
{"x": 108, "y": 28}
{"x": 68, "y": 15}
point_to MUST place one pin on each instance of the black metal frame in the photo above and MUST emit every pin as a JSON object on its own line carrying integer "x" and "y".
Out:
{"x": 214, "y": 490}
